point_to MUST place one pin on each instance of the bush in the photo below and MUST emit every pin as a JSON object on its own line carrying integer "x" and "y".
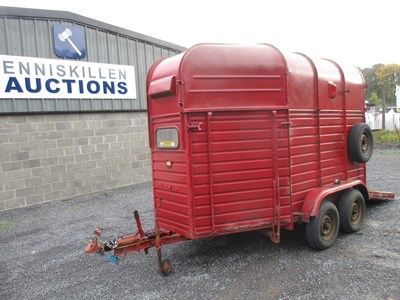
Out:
{"x": 385, "y": 136}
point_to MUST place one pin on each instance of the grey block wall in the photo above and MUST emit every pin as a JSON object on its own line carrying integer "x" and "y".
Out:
{"x": 50, "y": 157}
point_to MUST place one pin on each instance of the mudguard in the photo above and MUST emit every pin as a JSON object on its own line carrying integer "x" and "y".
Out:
{"x": 314, "y": 198}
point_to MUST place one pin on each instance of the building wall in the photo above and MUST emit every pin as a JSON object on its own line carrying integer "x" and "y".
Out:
{"x": 52, "y": 149}
{"x": 48, "y": 157}
{"x": 28, "y": 32}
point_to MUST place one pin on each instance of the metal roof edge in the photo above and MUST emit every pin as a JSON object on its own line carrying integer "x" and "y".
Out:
{"x": 34, "y": 13}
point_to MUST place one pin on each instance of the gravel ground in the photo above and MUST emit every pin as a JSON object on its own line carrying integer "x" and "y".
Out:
{"x": 42, "y": 253}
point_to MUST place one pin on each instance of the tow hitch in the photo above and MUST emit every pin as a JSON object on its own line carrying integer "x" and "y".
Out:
{"x": 122, "y": 245}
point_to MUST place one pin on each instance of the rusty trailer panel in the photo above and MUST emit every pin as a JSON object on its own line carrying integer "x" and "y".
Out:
{"x": 380, "y": 195}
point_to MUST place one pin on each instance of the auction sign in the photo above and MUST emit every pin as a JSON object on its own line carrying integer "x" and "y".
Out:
{"x": 28, "y": 77}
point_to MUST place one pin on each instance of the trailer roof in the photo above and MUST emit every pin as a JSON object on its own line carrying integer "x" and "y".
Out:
{"x": 248, "y": 77}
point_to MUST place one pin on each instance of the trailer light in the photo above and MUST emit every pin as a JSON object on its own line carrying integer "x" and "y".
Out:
{"x": 331, "y": 90}
{"x": 167, "y": 144}
{"x": 167, "y": 138}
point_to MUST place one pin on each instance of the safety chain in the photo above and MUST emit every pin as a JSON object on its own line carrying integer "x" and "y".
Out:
{"x": 109, "y": 245}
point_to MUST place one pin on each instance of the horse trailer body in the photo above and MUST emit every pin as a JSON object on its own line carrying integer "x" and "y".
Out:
{"x": 244, "y": 137}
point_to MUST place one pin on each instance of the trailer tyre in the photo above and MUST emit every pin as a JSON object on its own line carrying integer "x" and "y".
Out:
{"x": 351, "y": 211}
{"x": 322, "y": 231}
{"x": 360, "y": 143}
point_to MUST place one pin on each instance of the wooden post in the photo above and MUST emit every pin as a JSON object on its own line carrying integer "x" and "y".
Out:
{"x": 384, "y": 95}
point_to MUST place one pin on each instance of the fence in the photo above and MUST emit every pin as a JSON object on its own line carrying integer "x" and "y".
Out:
{"x": 392, "y": 120}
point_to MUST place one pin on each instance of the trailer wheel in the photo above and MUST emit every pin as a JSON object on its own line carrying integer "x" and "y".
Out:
{"x": 351, "y": 211}
{"x": 322, "y": 231}
{"x": 360, "y": 143}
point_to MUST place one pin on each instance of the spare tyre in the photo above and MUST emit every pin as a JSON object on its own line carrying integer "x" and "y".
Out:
{"x": 360, "y": 143}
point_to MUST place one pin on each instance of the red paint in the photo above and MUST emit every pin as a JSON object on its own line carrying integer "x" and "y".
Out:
{"x": 263, "y": 137}
{"x": 93, "y": 247}
{"x": 262, "y": 142}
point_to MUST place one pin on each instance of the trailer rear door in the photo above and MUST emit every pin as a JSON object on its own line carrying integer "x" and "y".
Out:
{"x": 237, "y": 183}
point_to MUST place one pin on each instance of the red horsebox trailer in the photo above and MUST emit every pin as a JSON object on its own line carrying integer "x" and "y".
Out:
{"x": 244, "y": 137}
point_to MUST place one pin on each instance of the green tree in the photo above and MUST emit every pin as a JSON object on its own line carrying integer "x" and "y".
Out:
{"x": 374, "y": 99}
{"x": 387, "y": 77}
{"x": 381, "y": 83}
{"x": 371, "y": 80}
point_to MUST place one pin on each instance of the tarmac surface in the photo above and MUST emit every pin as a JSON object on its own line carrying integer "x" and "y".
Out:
{"x": 42, "y": 255}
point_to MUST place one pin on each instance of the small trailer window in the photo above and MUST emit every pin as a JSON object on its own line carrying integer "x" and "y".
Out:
{"x": 167, "y": 138}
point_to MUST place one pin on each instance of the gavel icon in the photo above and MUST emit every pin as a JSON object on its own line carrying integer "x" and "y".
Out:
{"x": 64, "y": 36}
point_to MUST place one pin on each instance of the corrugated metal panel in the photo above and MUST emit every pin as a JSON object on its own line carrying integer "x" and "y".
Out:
{"x": 26, "y": 32}
{"x": 141, "y": 70}
{"x": 3, "y": 38}
{"x": 29, "y": 44}
{"x": 170, "y": 184}
{"x": 43, "y": 35}
{"x": 242, "y": 173}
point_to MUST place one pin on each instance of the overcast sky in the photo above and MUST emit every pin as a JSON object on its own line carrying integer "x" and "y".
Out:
{"x": 357, "y": 32}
